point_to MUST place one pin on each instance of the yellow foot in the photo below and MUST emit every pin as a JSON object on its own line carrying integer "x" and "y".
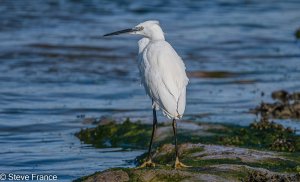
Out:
{"x": 148, "y": 163}
{"x": 179, "y": 165}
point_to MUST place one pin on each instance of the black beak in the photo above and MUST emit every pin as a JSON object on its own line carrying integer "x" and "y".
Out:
{"x": 120, "y": 32}
{"x": 129, "y": 30}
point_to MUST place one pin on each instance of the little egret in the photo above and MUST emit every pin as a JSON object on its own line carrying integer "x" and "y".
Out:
{"x": 163, "y": 75}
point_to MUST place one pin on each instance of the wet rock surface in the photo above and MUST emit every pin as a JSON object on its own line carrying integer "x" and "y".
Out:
{"x": 262, "y": 176}
{"x": 209, "y": 163}
{"x": 111, "y": 176}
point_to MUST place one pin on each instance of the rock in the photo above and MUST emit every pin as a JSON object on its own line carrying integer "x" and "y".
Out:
{"x": 280, "y": 95}
{"x": 111, "y": 176}
{"x": 262, "y": 176}
{"x": 261, "y": 135}
{"x": 288, "y": 106}
{"x": 173, "y": 175}
{"x": 213, "y": 163}
{"x": 297, "y": 33}
{"x": 227, "y": 152}
{"x": 130, "y": 134}
{"x": 216, "y": 152}
{"x": 211, "y": 74}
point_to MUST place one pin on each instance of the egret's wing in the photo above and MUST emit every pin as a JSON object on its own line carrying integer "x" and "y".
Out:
{"x": 172, "y": 70}
{"x": 166, "y": 79}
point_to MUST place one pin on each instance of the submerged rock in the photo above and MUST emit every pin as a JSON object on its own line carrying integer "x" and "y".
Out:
{"x": 297, "y": 33}
{"x": 211, "y": 74}
{"x": 287, "y": 106}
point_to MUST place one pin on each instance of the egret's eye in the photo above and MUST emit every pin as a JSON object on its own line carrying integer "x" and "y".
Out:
{"x": 139, "y": 28}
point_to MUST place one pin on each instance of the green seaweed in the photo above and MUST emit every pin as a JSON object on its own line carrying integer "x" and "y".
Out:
{"x": 125, "y": 135}
{"x": 259, "y": 135}
{"x": 263, "y": 135}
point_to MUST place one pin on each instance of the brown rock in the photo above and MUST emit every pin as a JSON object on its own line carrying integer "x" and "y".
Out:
{"x": 109, "y": 176}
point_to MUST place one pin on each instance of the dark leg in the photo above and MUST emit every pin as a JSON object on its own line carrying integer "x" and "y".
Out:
{"x": 174, "y": 124}
{"x": 149, "y": 162}
{"x": 178, "y": 164}
{"x": 153, "y": 133}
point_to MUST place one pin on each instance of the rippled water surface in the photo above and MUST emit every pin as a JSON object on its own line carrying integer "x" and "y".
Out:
{"x": 55, "y": 66}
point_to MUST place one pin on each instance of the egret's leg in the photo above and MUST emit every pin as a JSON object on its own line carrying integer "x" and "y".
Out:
{"x": 149, "y": 162}
{"x": 153, "y": 133}
{"x": 174, "y": 124}
{"x": 178, "y": 164}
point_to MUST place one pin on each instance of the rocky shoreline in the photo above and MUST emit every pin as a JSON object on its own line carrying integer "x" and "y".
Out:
{"x": 209, "y": 163}
{"x": 262, "y": 151}
{"x": 222, "y": 155}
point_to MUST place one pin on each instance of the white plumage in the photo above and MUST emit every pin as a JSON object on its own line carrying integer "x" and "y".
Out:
{"x": 162, "y": 71}
{"x": 163, "y": 75}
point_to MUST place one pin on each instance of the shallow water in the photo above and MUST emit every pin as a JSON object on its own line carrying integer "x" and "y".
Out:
{"x": 56, "y": 68}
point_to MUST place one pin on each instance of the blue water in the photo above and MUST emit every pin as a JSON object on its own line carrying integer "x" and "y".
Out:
{"x": 55, "y": 67}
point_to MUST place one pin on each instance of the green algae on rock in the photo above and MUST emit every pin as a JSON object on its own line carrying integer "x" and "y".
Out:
{"x": 137, "y": 135}
{"x": 111, "y": 134}
{"x": 263, "y": 135}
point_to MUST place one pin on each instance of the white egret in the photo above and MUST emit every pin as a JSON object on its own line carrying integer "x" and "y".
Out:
{"x": 163, "y": 75}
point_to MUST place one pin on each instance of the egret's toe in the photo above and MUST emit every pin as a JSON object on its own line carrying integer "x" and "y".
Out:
{"x": 179, "y": 165}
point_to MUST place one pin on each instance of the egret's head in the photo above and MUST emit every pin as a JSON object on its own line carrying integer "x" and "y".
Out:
{"x": 149, "y": 29}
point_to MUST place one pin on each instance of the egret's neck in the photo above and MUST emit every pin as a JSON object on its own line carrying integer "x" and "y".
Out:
{"x": 143, "y": 43}
{"x": 156, "y": 33}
